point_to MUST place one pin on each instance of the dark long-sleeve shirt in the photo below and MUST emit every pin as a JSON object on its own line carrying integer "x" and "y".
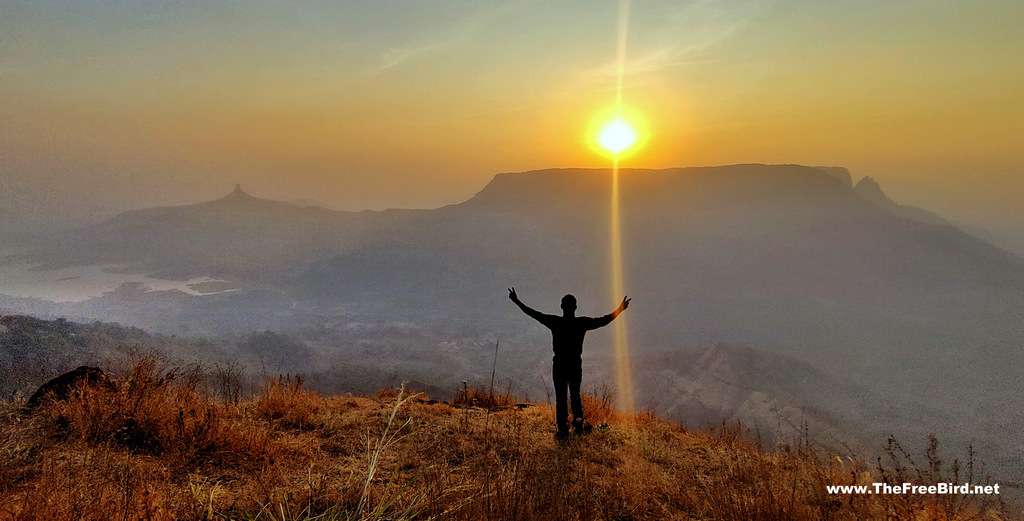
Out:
{"x": 567, "y": 333}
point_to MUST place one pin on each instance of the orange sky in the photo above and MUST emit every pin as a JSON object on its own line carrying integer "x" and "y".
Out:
{"x": 107, "y": 106}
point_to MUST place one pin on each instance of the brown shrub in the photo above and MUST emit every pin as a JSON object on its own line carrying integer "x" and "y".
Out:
{"x": 156, "y": 412}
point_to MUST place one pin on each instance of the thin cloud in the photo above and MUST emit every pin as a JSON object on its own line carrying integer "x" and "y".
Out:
{"x": 398, "y": 55}
{"x": 471, "y": 26}
{"x": 670, "y": 56}
{"x": 686, "y": 37}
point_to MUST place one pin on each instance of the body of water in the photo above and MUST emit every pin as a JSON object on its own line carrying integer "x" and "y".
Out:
{"x": 81, "y": 283}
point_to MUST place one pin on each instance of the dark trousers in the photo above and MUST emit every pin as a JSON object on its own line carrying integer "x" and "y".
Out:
{"x": 567, "y": 378}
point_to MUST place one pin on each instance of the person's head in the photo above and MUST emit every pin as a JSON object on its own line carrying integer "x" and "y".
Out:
{"x": 569, "y": 304}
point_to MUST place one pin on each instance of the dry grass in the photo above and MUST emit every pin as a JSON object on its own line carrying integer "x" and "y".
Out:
{"x": 484, "y": 398}
{"x": 159, "y": 449}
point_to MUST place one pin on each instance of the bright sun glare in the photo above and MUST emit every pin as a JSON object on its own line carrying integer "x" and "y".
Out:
{"x": 617, "y": 137}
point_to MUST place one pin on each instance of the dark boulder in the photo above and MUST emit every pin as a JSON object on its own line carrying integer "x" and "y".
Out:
{"x": 60, "y": 388}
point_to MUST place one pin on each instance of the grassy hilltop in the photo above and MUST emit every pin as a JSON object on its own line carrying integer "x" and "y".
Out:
{"x": 171, "y": 445}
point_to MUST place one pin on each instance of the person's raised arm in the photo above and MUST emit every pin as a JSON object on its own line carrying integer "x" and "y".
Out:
{"x": 605, "y": 320}
{"x": 533, "y": 313}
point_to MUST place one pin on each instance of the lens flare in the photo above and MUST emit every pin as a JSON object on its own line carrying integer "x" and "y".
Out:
{"x": 617, "y": 137}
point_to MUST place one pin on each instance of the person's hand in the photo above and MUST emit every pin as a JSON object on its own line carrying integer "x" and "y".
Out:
{"x": 512, "y": 295}
{"x": 625, "y": 303}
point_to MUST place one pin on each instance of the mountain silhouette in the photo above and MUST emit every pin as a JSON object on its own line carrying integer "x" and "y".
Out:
{"x": 236, "y": 233}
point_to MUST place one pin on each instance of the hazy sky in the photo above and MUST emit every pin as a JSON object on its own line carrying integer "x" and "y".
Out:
{"x": 110, "y": 105}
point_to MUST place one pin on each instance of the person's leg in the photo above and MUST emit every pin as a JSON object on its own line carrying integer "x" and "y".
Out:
{"x": 561, "y": 409}
{"x": 577, "y": 404}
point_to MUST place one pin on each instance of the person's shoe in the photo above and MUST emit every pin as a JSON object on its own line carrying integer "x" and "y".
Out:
{"x": 582, "y": 428}
{"x": 562, "y": 435}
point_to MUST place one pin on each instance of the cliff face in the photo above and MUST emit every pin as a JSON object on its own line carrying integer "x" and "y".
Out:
{"x": 838, "y": 172}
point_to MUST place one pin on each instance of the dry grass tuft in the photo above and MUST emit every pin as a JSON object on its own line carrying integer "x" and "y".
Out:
{"x": 484, "y": 398}
{"x": 598, "y": 406}
{"x": 285, "y": 401}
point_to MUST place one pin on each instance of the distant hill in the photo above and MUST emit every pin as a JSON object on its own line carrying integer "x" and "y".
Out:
{"x": 238, "y": 233}
{"x": 781, "y": 397}
{"x": 34, "y": 350}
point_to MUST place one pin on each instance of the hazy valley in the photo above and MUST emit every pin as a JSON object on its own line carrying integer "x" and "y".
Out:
{"x": 787, "y": 297}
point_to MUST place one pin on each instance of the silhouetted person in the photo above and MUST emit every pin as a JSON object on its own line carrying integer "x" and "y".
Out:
{"x": 567, "y": 333}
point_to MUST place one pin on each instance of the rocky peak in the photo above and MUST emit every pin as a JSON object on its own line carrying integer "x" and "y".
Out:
{"x": 237, "y": 196}
{"x": 869, "y": 190}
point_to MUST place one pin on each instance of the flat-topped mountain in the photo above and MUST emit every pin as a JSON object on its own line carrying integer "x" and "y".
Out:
{"x": 778, "y": 238}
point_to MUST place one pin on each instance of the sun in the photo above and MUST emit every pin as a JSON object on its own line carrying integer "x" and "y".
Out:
{"x": 617, "y": 136}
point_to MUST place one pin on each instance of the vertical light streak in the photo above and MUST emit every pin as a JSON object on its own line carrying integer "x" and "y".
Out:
{"x": 623, "y": 371}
